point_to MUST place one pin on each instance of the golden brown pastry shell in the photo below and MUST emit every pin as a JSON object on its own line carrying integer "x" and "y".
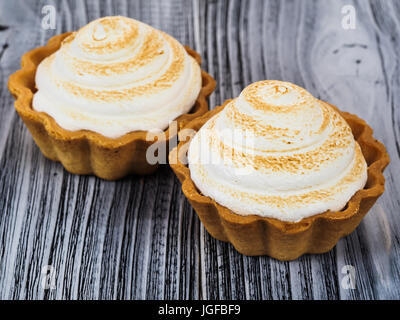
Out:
{"x": 84, "y": 151}
{"x": 254, "y": 235}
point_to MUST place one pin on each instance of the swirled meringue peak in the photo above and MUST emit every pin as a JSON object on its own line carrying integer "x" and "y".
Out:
{"x": 276, "y": 151}
{"x": 117, "y": 75}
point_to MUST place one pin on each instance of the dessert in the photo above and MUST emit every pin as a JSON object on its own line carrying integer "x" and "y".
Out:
{"x": 102, "y": 88}
{"x": 278, "y": 172}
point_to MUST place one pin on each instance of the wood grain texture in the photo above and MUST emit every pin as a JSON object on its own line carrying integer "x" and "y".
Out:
{"x": 139, "y": 238}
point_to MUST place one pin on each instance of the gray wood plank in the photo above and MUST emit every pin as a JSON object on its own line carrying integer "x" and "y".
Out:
{"x": 304, "y": 42}
{"x": 104, "y": 239}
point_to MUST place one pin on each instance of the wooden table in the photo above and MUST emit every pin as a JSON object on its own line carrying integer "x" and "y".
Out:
{"x": 139, "y": 238}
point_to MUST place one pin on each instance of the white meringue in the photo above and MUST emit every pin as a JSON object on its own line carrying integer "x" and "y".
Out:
{"x": 276, "y": 151}
{"x": 117, "y": 75}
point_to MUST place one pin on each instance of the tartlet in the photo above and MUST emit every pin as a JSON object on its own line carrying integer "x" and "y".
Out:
{"x": 85, "y": 151}
{"x": 254, "y": 235}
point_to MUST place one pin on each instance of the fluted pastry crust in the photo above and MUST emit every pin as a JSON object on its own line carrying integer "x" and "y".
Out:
{"x": 277, "y": 152}
{"x": 85, "y": 151}
{"x": 255, "y": 235}
{"x": 117, "y": 75}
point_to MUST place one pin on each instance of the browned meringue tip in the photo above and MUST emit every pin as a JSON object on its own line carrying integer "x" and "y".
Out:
{"x": 87, "y": 152}
{"x": 254, "y": 235}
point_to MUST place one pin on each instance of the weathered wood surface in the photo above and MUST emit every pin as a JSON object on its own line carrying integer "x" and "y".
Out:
{"x": 139, "y": 238}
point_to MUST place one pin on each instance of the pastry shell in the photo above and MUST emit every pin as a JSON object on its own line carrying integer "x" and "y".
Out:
{"x": 84, "y": 151}
{"x": 255, "y": 235}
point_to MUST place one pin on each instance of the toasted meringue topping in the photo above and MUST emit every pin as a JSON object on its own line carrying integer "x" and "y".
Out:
{"x": 276, "y": 151}
{"x": 117, "y": 75}
{"x": 99, "y": 32}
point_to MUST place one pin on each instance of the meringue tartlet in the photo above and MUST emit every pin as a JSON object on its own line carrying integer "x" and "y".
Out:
{"x": 279, "y": 172}
{"x": 90, "y": 97}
